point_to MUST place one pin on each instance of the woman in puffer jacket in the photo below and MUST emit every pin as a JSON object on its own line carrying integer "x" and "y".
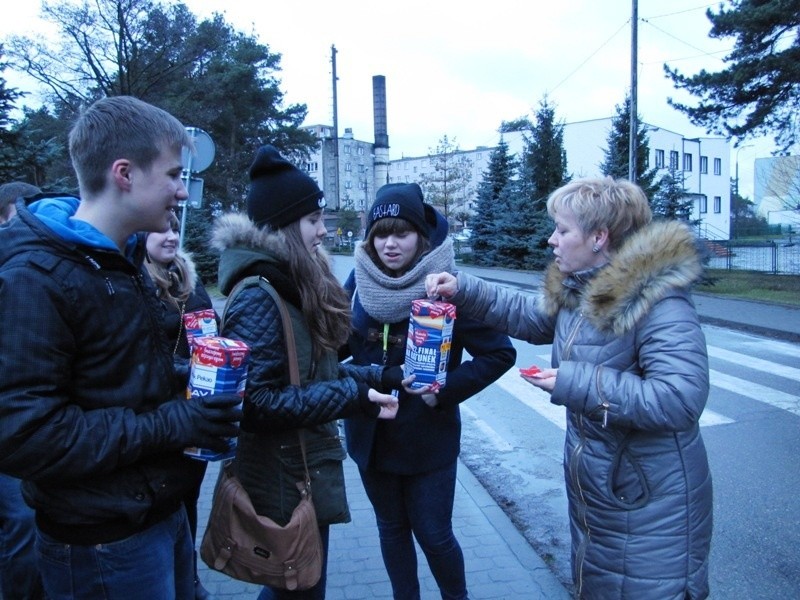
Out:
{"x": 629, "y": 363}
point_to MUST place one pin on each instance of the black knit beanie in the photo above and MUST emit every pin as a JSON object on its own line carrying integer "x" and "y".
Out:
{"x": 280, "y": 193}
{"x": 400, "y": 201}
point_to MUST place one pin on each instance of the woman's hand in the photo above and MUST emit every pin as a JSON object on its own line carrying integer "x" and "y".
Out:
{"x": 387, "y": 402}
{"x": 441, "y": 284}
{"x": 544, "y": 379}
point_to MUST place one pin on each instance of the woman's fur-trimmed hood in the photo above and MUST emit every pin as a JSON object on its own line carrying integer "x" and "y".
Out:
{"x": 657, "y": 259}
{"x": 244, "y": 245}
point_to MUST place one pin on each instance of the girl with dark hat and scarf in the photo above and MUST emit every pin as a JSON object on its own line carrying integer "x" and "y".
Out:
{"x": 408, "y": 466}
{"x": 280, "y": 241}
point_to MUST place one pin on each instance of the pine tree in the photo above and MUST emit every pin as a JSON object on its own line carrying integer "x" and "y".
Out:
{"x": 671, "y": 200}
{"x": 759, "y": 91}
{"x": 524, "y": 225}
{"x": 616, "y": 162}
{"x": 497, "y": 177}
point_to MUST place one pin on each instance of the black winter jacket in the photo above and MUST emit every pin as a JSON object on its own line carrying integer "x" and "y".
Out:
{"x": 84, "y": 366}
{"x": 268, "y": 459}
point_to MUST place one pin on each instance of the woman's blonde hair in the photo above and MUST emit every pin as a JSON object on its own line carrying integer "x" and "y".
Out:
{"x": 326, "y": 305}
{"x": 603, "y": 203}
{"x": 173, "y": 283}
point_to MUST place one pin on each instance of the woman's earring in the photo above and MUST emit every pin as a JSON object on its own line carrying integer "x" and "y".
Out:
{"x": 595, "y": 248}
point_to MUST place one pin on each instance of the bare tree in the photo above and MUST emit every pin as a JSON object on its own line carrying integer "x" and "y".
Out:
{"x": 448, "y": 185}
{"x": 780, "y": 187}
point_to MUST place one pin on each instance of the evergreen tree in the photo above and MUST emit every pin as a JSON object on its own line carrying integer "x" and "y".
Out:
{"x": 759, "y": 91}
{"x": 524, "y": 225}
{"x": 497, "y": 177}
{"x": 671, "y": 200}
{"x": 616, "y": 161}
{"x": 8, "y": 137}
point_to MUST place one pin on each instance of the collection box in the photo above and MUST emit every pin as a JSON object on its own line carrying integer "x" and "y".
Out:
{"x": 218, "y": 366}
{"x": 430, "y": 335}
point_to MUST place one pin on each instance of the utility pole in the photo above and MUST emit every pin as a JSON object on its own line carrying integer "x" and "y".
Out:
{"x": 335, "y": 127}
{"x": 632, "y": 146}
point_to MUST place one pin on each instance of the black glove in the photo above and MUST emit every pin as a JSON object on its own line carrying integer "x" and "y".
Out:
{"x": 203, "y": 421}
{"x": 371, "y": 409}
{"x": 392, "y": 379}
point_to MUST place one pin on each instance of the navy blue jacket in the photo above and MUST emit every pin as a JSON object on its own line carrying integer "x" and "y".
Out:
{"x": 421, "y": 438}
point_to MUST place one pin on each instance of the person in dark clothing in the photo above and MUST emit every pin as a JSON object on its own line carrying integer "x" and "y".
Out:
{"x": 280, "y": 241}
{"x": 19, "y": 575}
{"x": 181, "y": 292}
{"x": 408, "y": 466}
{"x": 91, "y": 416}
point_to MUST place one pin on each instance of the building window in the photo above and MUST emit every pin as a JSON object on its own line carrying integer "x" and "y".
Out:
{"x": 717, "y": 166}
{"x": 347, "y": 148}
{"x": 687, "y": 162}
{"x": 704, "y": 165}
{"x": 703, "y": 205}
{"x": 673, "y": 160}
{"x": 717, "y": 204}
{"x": 659, "y": 159}
{"x": 348, "y": 167}
{"x": 348, "y": 184}
{"x": 361, "y": 150}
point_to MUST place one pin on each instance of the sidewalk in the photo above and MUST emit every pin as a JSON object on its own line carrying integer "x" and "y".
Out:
{"x": 500, "y": 563}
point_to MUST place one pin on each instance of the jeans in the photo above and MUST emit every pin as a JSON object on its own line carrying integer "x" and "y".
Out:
{"x": 155, "y": 564}
{"x": 315, "y": 593}
{"x": 19, "y": 575}
{"x": 421, "y": 505}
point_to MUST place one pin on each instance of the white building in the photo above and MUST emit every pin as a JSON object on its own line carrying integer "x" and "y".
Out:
{"x": 705, "y": 163}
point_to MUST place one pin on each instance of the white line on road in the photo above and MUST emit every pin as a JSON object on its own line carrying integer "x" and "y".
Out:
{"x": 751, "y": 362}
{"x": 756, "y": 391}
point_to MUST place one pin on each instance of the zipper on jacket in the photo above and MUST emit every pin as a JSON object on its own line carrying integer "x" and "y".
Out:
{"x": 96, "y": 266}
{"x": 571, "y": 338}
{"x": 580, "y": 553}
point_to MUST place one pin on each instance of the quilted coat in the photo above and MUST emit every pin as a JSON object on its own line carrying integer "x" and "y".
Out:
{"x": 633, "y": 376}
{"x": 268, "y": 459}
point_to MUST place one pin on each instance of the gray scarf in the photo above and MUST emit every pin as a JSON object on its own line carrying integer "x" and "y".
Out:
{"x": 388, "y": 299}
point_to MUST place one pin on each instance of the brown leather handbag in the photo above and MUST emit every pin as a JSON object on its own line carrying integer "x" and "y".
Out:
{"x": 254, "y": 548}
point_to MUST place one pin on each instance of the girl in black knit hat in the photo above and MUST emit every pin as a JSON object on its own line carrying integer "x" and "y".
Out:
{"x": 280, "y": 241}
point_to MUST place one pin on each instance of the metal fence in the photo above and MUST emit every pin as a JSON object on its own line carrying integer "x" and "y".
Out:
{"x": 770, "y": 256}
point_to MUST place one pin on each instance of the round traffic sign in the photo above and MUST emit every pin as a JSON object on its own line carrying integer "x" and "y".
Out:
{"x": 204, "y": 151}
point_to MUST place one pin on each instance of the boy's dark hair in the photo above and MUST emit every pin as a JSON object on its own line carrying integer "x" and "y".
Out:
{"x": 121, "y": 127}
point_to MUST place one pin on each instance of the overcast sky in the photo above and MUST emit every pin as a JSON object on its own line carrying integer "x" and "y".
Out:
{"x": 461, "y": 68}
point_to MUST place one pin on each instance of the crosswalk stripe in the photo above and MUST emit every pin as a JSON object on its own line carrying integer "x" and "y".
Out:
{"x": 755, "y": 363}
{"x": 756, "y": 391}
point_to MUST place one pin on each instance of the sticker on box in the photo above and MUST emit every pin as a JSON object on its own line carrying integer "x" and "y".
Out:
{"x": 200, "y": 324}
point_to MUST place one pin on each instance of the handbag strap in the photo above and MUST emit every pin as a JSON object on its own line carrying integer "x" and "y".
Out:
{"x": 288, "y": 335}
